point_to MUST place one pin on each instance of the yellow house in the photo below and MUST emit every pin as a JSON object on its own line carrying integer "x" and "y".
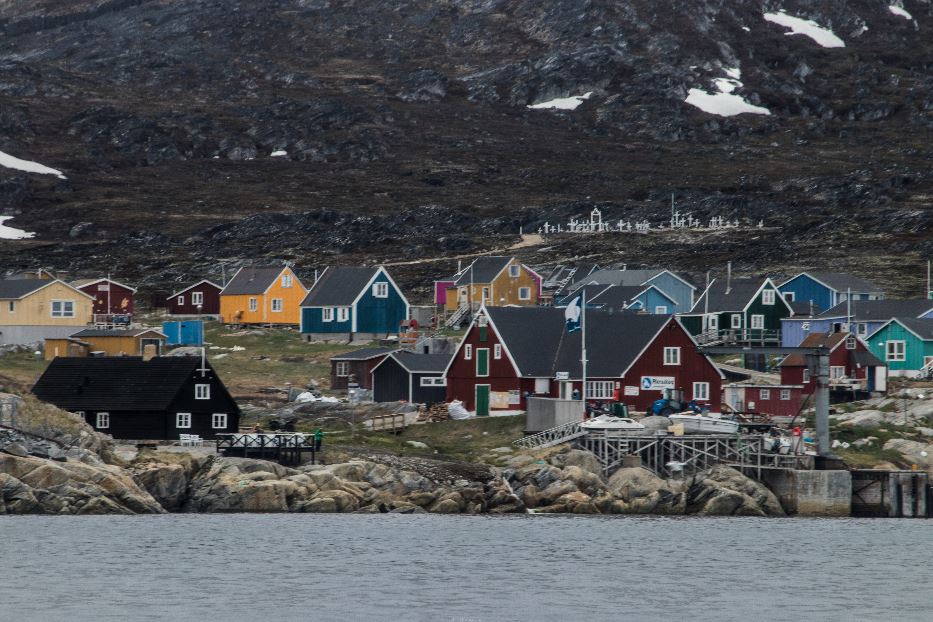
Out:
{"x": 262, "y": 296}
{"x": 32, "y": 310}
{"x": 494, "y": 282}
{"x": 108, "y": 342}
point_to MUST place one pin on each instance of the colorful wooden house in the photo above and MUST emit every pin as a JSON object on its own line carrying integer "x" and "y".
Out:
{"x": 405, "y": 376}
{"x": 853, "y": 369}
{"x": 491, "y": 281}
{"x": 862, "y": 317}
{"x": 106, "y": 342}
{"x": 263, "y": 296}
{"x": 202, "y": 298}
{"x": 32, "y": 310}
{"x": 776, "y": 400}
{"x": 132, "y": 398}
{"x": 828, "y": 289}
{"x": 510, "y": 353}
{"x": 672, "y": 286}
{"x": 638, "y": 299}
{"x": 110, "y": 298}
{"x": 738, "y": 310}
{"x": 353, "y": 303}
{"x": 355, "y": 367}
{"x": 905, "y": 344}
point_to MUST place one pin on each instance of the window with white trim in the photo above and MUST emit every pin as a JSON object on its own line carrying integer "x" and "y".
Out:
{"x": 277, "y": 305}
{"x": 850, "y": 342}
{"x": 327, "y": 314}
{"x": 497, "y": 351}
{"x": 180, "y": 300}
{"x": 467, "y": 352}
{"x": 599, "y": 389}
{"x": 837, "y": 372}
{"x": 197, "y": 298}
{"x": 103, "y": 420}
{"x": 343, "y": 314}
{"x": 63, "y": 308}
{"x": 485, "y": 294}
{"x": 767, "y": 297}
{"x": 785, "y": 394}
{"x": 182, "y": 420}
{"x": 736, "y": 320}
{"x": 862, "y": 329}
{"x": 514, "y": 271}
{"x": 660, "y": 310}
{"x": 202, "y": 391}
{"x": 342, "y": 369}
{"x": 672, "y": 356}
{"x": 806, "y": 375}
{"x": 286, "y": 280}
{"x": 524, "y": 293}
{"x": 381, "y": 290}
{"x": 764, "y": 394}
{"x": 253, "y": 304}
{"x": 790, "y": 296}
{"x": 758, "y": 321}
{"x": 433, "y": 381}
{"x": 219, "y": 421}
{"x": 712, "y": 322}
{"x": 12, "y": 306}
{"x": 895, "y": 351}
{"x": 701, "y": 391}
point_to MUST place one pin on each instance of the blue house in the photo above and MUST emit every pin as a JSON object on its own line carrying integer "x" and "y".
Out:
{"x": 649, "y": 299}
{"x": 828, "y": 289}
{"x": 862, "y": 317}
{"x": 353, "y": 304}
{"x": 676, "y": 288}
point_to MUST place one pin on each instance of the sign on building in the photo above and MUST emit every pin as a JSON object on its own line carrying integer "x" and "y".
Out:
{"x": 630, "y": 390}
{"x": 656, "y": 383}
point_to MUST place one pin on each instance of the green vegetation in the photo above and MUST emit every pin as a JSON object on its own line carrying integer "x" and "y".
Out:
{"x": 21, "y": 369}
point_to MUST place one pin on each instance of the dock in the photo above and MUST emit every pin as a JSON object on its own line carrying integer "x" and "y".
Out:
{"x": 286, "y": 448}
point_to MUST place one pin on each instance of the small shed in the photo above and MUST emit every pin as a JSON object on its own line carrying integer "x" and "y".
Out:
{"x": 106, "y": 342}
{"x": 184, "y": 333}
{"x": 355, "y": 367}
{"x": 411, "y": 377}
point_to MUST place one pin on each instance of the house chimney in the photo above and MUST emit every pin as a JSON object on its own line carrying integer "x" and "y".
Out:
{"x": 149, "y": 352}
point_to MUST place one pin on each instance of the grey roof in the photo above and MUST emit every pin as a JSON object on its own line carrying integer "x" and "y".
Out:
{"x": 115, "y": 332}
{"x": 193, "y": 285}
{"x": 804, "y": 308}
{"x": 17, "y": 288}
{"x": 532, "y": 335}
{"x": 922, "y": 327}
{"x": 362, "y": 355}
{"x": 842, "y": 281}
{"x": 617, "y": 277}
{"x": 865, "y": 358}
{"x": 415, "y": 362}
{"x": 722, "y": 299}
{"x": 482, "y": 270}
{"x": 607, "y": 296}
{"x": 879, "y": 310}
{"x": 339, "y": 286}
{"x": 251, "y": 281}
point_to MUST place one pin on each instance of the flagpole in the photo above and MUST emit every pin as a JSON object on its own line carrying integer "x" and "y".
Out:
{"x": 583, "y": 345}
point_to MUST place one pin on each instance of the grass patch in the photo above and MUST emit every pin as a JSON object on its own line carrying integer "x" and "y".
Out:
{"x": 21, "y": 369}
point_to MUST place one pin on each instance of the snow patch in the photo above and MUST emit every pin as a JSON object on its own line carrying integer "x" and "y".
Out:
{"x": 278, "y": 154}
{"x": 900, "y": 11}
{"x": 722, "y": 104}
{"x": 823, "y": 36}
{"x": 10, "y": 233}
{"x": 746, "y": 29}
{"x": 25, "y": 165}
{"x": 734, "y": 72}
{"x": 562, "y": 103}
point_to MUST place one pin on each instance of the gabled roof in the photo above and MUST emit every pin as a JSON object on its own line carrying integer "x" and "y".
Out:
{"x": 117, "y": 383}
{"x": 362, "y": 355}
{"x": 532, "y": 335}
{"x": 205, "y": 281}
{"x": 815, "y": 340}
{"x": 115, "y": 332}
{"x": 482, "y": 270}
{"x": 339, "y": 286}
{"x": 85, "y": 282}
{"x": 921, "y": 328}
{"x": 626, "y": 277}
{"x": 252, "y": 281}
{"x": 422, "y": 363}
{"x": 841, "y": 282}
{"x": 878, "y": 310}
{"x": 803, "y": 308}
{"x": 14, "y": 289}
{"x": 735, "y": 297}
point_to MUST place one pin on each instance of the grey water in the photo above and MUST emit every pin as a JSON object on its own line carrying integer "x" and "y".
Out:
{"x": 464, "y": 568}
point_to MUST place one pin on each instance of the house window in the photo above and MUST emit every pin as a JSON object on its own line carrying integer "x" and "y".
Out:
{"x": 660, "y": 310}
{"x": 180, "y": 300}
{"x": 712, "y": 322}
{"x": 789, "y": 296}
{"x": 197, "y": 298}
{"x": 514, "y": 271}
{"x": 599, "y": 389}
{"x": 103, "y": 420}
{"x": 524, "y": 293}
{"x": 286, "y": 280}
{"x": 63, "y": 308}
{"x": 485, "y": 294}
{"x": 850, "y": 342}
{"x": 806, "y": 375}
{"x": 343, "y": 369}
{"x": 895, "y": 351}
{"x": 672, "y": 356}
{"x": 182, "y": 420}
{"x": 785, "y": 394}
{"x": 343, "y": 314}
{"x": 253, "y": 304}
{"x": 467, "y": 352}
{"x": 701, "y": 391}
{"x": 12, "y": 306}
{"x": 497, "y": 351}
{"x": 862, "y": 329}
{"x": 219, "y": 421}
{"x": 277, "y": 305}
{"x": 381, "y": 290}
{"x": 327, "y": 314}
{"x": 764, "y": 394}
{"x": 202, "y": 391}
{"x": 837, "y": 372}
{"x": 758, "y": 321}
{"x": 767, "y": 297}
{"x": 433, "y": 381}
{"x": 736, "y": 320}
{"x": 805, "y": 325}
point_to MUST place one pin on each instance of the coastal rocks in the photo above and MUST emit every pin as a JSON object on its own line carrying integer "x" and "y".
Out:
{"x": 723, "y": 491}
{"x": 914, "y": 452}
{"x": 875, "y": 418}
{"x": 167, "y": 476}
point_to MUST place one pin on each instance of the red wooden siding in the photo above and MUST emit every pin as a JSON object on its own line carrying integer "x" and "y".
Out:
{"x": 211, "y": 304}
{"x": 121, "y": 298}
{"x": 793, "y": 374}
{"x": 462, "y": 378}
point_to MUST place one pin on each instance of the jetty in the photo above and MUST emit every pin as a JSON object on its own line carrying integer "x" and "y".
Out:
{"x": 285, "y": 448}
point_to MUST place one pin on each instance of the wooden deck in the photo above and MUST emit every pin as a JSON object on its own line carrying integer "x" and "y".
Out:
{"x": 286, "y": 448}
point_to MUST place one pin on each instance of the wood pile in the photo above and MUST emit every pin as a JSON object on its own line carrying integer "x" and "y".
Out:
{"x": 437, "y": 412}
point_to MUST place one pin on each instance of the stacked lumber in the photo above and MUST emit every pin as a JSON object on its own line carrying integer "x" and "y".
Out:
{"x": 437, "y": 412}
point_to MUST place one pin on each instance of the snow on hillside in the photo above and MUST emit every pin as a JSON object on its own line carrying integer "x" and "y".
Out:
{"x": 11, "y": 233}
{"x": 900, "y": 11}
{"x": 562, "y": 103}
{"x": 823, "y": 36}
{"x": 25, "y": 165}
{"x": 725, "y": 103}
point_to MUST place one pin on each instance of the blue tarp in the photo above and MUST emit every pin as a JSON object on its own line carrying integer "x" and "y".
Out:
{"x": 187, "y": 333}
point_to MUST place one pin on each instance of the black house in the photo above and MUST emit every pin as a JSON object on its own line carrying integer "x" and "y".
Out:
{"x": 130, "y": 398}
{"x": 406, "y": 376}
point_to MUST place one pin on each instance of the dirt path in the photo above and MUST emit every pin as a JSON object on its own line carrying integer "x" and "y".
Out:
{"x": 528, "y": 239}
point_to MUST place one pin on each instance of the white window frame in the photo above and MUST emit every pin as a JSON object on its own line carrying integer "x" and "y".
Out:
{"x": 758, "y": 321}
{"x": 701, "y": 391}
{"x": 12, "y": 306}
{"x": 862, "y": 329}
{"x": 599, "y": 389}
{"x": 524, "y": 293}
{"x": 660, "y": 310}
{"x": 806, "y": 375}
{"x": 102, "y": 421}
{"x": 381, "y": 290}
{"x": 837, "y": 372}
{"x": 485, "y": 294}
{"x": 183, "y": 421}
{"x": 327, "y": 314}
{"x": 712, "y": 322}
{"x": 277, "y": 305}
{"x": 514, "y": 271}
{"x": 764, "y": 394}
{"x": 202, "y": 391}
{"x": 219, "y": 417}
{"x": 851, "y": 342}
{"x": 433, "y": 381}
{"x": 785, "y": 394}
{"x": 253, "y": 304}
{"x": 286, "y": 280}
{"x": 671, "y": 356}
{"x": 197, "y": 298}
{"x": 180, "y": 300}
{"x": 899, "y": 354}
{"x": 736, "y": 320}
{"x": 63, "y": 308}
{"x": 790, "y": 296}
{"x": 497, "y": 351}
{"x": 343, "y": 314}
{"x": 342, "y": 369}
{"x": 767, "y": 297}
{"x": 468, "y": 352}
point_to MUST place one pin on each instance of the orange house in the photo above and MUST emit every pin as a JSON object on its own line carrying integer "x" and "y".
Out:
{"x": 494, "y": 282}
{"x": 262, "y": 296}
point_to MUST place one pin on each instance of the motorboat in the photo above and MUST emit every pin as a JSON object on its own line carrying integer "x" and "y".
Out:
{"x": 613, "y": 424}
{"x": 704, "y": 424}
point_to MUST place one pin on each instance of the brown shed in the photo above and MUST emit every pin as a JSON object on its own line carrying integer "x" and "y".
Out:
{"x": 356, "y": 366}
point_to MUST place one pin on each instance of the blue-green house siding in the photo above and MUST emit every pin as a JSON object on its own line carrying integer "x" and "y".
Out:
{"x": 915, "y": 349}
{"x": 380, "y": 315}
{"x": 807, "y": 289}
{"x": 312, "y": 322}
{"x": 680, "y": 292}
{"x": 651, "y": 298}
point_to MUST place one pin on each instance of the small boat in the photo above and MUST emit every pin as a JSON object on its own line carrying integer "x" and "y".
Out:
{"x": 611, "y": 423}
{"x": 704, "y": 424}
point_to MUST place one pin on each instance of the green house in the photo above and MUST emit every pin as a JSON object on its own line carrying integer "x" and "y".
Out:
{"x": 742, "y": 310}
{"x": 906, "y": 345}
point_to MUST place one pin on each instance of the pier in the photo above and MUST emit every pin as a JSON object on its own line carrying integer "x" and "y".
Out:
{"x": 287, "y": 449}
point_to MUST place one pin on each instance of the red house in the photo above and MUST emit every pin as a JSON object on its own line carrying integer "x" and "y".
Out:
{"x": 110, "y": 298}
{"x": 509, "y": 353}
{"x": 202, "y": 298}
{"x": 852, "y": 366}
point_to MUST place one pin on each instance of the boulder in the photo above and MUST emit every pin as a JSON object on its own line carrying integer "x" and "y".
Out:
{"x": 723, "y": 491}
{"x": 578, "y": 458}
{"x": 914, "y": 452}
{"x": 445, "y": 506}
{"x": 634, "y": 482}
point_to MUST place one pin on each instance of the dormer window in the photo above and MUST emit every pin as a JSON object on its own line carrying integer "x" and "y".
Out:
{"x": 767, "y": 297}
{"x": 286, "y": 280}
{"x": 850, "y": 342}
{"x": 381, "y": 290}
{"x": 202, "y": 391}
{"x": 514, "y": 271}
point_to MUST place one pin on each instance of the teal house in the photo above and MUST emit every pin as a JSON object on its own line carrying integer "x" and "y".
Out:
{"x": 905, "y": 344}
{"x": 353, "y": 303}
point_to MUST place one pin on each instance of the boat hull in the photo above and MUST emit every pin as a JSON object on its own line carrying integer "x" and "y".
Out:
{"x": 698, "y": 424}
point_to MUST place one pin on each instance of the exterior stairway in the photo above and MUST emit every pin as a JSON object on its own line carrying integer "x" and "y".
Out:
{"x": 552, "y": 436}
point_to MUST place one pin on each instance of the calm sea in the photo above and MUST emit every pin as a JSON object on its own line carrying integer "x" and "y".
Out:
{"x": 389, "y": 567}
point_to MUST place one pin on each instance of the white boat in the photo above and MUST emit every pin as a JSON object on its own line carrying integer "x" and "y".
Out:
{"x": 610, "y": 423}
{"x": 704, "y": 424}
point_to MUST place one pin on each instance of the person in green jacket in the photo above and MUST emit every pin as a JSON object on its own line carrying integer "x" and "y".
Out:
{"x": 318, "y": 438}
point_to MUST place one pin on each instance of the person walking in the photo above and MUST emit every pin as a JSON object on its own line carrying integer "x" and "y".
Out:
{"x": 318, "y": 439}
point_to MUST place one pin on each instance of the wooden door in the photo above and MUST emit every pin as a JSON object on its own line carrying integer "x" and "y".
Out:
{"x": 482, "y": 400}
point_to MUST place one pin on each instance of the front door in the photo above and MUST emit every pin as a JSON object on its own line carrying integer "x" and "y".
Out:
{"x": 482, "y": 400}
{"x": 566, "y": 390}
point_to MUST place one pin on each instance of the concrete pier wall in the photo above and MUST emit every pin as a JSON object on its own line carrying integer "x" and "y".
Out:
{"x": 812, "y": 493}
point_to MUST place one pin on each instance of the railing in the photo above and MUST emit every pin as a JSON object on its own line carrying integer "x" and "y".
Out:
{"x": 551, "y": 437}
{"x": 739, "y": 335}
{"x": 458, "y": 315}
{"x": 388, "y": 423}
{"x": 927, "y": 370}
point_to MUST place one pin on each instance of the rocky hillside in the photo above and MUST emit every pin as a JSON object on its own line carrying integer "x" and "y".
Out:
{"x": 191, "y": 131}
